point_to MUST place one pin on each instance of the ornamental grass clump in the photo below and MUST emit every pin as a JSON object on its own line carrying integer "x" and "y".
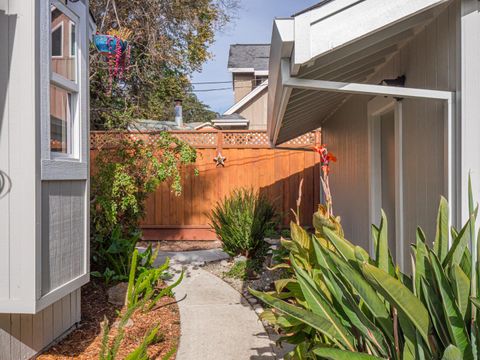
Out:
{"x": 241, "y": 221}
{"x": 338, "y": 302}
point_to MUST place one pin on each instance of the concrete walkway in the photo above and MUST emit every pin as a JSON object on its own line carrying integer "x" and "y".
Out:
{"x": 217, "y": 323}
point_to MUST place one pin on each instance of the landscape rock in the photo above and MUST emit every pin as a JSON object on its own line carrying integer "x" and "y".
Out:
{"x": 117, "y": 294}
{"x": 240, "y": 258}
{"x": 224, "y": 263}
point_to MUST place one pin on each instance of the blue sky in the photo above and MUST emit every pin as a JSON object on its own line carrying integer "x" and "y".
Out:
{"x": 253, "y": 24}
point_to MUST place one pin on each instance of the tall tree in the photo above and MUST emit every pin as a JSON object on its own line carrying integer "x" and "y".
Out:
{"x": 170, "y": 41}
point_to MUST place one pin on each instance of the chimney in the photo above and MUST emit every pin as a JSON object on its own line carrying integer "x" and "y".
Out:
{"x": 178, "y": 113}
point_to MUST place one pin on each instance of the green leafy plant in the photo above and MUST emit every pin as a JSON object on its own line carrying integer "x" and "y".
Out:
{"x": 241, "y": 221}
{"x": 339, "y": 302}
{"x": 127, "y": 170}
{"x": 144, "y": 280}
{"x": 143, "y": 293}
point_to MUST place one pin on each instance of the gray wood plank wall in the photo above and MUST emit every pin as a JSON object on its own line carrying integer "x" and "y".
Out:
{"x": 429, "y": 60}
{"x": 22, "y": 336}
{"x": 63, "y": 233}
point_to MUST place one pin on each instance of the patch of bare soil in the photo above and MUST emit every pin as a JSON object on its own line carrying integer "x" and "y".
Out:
{"x": 183, "y": 245}
{"x": 85, "y": 342}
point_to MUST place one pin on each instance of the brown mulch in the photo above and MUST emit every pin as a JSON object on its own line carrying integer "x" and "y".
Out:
{"x": 85, "y": 342}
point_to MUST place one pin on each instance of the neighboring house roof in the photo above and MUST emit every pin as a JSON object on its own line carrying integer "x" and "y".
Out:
{"x": 199, "y": 126}
{"x": 231, "y": 120}
{"x": 157, "y": 125}
{"x": 249, "y": 97}
{"x": 249, "y": 57}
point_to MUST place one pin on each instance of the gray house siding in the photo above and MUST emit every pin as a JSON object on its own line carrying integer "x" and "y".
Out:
{"x": 43, "y": 220}
{"x": 23, "y": 335}
{"x": 429, "y": 60}
{"x": 19, "y": 221}
{"x": 63, "y": 245}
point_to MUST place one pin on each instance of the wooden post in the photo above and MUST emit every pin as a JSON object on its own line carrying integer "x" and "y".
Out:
{"x": 220, "y": 135}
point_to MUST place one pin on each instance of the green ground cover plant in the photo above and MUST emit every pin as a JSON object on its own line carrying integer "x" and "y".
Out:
{"x": 143, "y": 294}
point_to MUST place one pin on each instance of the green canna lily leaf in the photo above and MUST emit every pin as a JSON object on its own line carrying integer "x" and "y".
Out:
{"x": 382, "y": 245}
{"x": 475, "y": 302}
{"x": 440, "y": 246}
{"x": 434, "y": 305}
{"x": 399, "y": 296}
{"x": 368, "y": 294}
{"x": 461, "y": 288}
{"x": 452, "y": 353}
{"x": 343, "y": 246}
{"x": 316, "y": 321}
{"x": 460, "y": 243}
{"x": 453, "y": 316}
{"x": 318, "y": 304}
{"x": 335, "y": 354}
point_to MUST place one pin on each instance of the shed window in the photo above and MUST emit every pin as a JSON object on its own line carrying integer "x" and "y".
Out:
{"x": 63, "y": 84}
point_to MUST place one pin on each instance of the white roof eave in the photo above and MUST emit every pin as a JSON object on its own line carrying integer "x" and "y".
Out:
{"x": 321, "y": 31}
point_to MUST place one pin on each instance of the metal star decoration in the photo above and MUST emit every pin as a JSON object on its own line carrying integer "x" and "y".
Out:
{"x": 220, "y": 159}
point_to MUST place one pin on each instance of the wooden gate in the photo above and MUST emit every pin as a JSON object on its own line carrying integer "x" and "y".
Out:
{"x": 249, "y": 162}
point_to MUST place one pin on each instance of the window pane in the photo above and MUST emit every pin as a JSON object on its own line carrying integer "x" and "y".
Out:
{"x": 64, "y": 45}
{"x": 60, "y": 120}
{"x": 57, "y": 41}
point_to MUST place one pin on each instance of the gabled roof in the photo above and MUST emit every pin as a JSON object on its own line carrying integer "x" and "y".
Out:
{"x": 252, "y": 57}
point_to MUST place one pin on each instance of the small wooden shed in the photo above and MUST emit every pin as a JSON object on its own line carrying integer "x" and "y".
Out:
{"x": 44, "y": 167}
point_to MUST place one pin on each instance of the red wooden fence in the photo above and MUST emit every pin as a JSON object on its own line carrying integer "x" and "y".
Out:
{"x": 250, "y": 162}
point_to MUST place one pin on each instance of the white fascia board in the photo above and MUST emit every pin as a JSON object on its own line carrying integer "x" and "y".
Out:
{"x": 236, "y": 124}
{"x": 241, "y": 70}
{"x": 281, "y": 47}
{"x": 340, "y": 22}
{"x": 247, "y": 98}
{"x": 261, "y": 72}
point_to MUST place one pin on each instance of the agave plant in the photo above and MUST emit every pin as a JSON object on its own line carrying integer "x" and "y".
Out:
{"x": 340, "y": 302}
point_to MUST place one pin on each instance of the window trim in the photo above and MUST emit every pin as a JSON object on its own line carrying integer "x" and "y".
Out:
{"x": 74, "y": 143}
{"x": 72, "y": 23}
{"x": 54, "y": 165}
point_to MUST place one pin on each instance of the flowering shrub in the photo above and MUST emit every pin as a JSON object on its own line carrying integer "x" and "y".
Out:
{"x": 126, "y": 172}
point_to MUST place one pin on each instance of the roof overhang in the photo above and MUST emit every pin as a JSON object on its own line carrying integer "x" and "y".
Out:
{"x": 318, "y": 45}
